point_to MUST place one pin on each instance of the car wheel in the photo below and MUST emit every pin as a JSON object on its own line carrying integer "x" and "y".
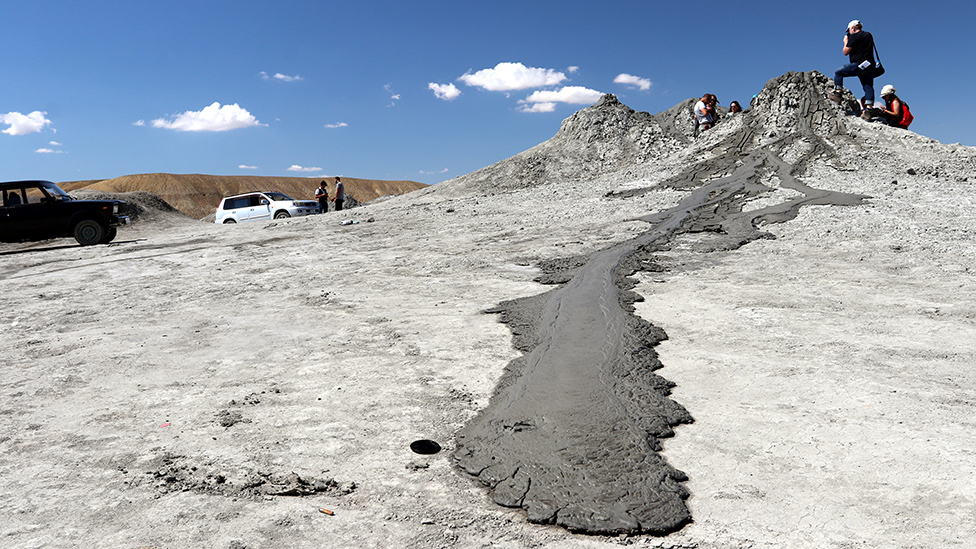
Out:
{"x": 282, "y": 215}
{"x": 88, "y": 232}
{"x": 110, "y": 235}
{"x": 229, "y": 221}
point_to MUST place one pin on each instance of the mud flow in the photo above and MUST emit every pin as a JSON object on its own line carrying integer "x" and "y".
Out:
{"x": 572, "y": 434}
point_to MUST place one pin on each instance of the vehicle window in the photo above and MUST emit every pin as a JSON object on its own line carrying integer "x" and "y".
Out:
{"x": 35, "y": 195}
{"x": 56, "y": 193}
{"x": 12, "y": 197}
{"x": 239, "y": 202}
{"x": 256, "y": 199}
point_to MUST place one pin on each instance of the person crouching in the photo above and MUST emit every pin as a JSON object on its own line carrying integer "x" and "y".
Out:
{"x": 895, "y": 112}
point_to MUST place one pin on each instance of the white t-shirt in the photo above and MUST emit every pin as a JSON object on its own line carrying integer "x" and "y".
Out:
{"x": 701, "y": 113}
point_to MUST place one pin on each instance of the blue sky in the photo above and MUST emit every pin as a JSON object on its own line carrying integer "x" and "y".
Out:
{"x": 424, "y": 90}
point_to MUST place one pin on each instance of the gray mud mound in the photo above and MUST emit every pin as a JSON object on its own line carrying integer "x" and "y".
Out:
{"x": 601, "y": 139}
{"x": 573, "y": 431}
{"x": 172, "y": 473}
{"x": 139, "y": 205}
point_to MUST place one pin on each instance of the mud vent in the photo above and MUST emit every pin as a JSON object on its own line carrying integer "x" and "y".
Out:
{"x": 425, "y": 447}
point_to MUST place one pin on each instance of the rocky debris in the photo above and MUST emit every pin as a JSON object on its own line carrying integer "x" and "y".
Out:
{"x": 229, "y": 418}
{"x": 348, "y": 203}
{"x": 174, "y": 473}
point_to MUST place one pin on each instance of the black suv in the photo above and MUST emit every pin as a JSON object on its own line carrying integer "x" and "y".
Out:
{"x": 38, "y": 210}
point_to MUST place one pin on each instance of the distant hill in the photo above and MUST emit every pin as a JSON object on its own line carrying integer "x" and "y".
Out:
{"x": 197, "y": 195}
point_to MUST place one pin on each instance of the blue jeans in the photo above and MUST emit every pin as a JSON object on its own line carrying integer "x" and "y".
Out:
{"x": 866, "y": 76}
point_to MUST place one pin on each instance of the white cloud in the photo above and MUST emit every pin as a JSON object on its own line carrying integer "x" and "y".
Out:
{"x": 445, "y": 170}
{"x": 215, "y": 118}
{"x": 394, "y": 97}
{"x": 572, "y": 69}
{"x": 139, "y": 123}
{"x": 297, "y": 168}
{"x": 246, "y": 167}
{"x": 46, "y": 150}
{"x": 23, "y": 124}
{"x": 446, "y": 92}
{"x": 545, "y": 100}
{"x": 569, "y": 94}
{"x": 281, "y": 77}
{"x": 337, "y": 125}
{"x": 512, "y": 76}
{"x": 537, "y": 107}
{"x": 633, "y": 81}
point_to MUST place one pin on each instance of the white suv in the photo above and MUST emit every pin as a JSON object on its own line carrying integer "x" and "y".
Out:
{"x": 262, "y": 205}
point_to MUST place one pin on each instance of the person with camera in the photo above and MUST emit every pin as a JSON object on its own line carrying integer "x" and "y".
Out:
{"x": 859, "y": 46}
{"x": 895, "y": 111}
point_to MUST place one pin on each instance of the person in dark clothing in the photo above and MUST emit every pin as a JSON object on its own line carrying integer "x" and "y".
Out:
{"x": 322, "y": 195}
{"x": 859, "y": 46}
{"x": 340, "y": 195}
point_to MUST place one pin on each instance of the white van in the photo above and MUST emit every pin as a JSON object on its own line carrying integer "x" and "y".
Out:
{"x": 262, "y": 206}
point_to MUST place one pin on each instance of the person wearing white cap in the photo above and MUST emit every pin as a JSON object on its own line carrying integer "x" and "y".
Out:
{"x": 859, "y": 46}
{"x": 895, "y": 112}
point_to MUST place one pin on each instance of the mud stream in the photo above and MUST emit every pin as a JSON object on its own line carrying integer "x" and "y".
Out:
{"x": 573, "y": 431}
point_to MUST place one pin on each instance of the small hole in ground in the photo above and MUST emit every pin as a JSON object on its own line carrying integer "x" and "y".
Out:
{"x": 425, "y": 447}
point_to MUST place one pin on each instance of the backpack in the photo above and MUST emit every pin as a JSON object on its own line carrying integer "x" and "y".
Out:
{"x": 906, "y": 116}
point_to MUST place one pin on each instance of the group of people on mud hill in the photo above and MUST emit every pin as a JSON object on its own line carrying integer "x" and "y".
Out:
{"x": 705, "y": 116}
{"x": 322, "y": 195}
{"x": 865, "y": 64}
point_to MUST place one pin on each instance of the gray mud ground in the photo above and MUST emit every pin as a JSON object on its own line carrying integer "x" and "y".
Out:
{"x": 194, "y": 385}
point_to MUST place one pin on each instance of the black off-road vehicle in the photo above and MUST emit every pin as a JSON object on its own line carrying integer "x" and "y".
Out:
{"x": 39, "y": 210}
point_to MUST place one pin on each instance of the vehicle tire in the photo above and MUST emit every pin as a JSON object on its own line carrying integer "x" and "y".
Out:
{"x": 282, "y": 214}
{"x": 110, "y": 235}
{"x": 230, "y": 221}
{"x": 88, "y": 232}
